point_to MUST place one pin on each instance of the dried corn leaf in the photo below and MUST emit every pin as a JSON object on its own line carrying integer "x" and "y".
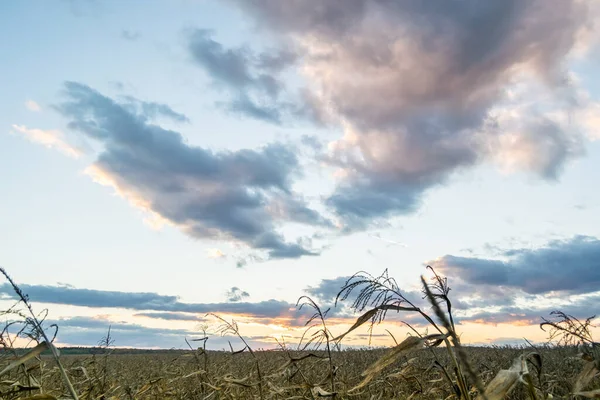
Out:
{"x": 319, "y": 392}
{"x": 36, "y": 351}
{"x": 44, "y": 396}
{"x": 590, "y": 394}
{"x": 586, "y": 375}
{"x": 506, "y": 379}
{"x": 370, "y": 314}
{"x": 410, "y": 343}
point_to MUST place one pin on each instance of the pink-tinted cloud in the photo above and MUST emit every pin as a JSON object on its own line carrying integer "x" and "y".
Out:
{"x": 53, "y": 139}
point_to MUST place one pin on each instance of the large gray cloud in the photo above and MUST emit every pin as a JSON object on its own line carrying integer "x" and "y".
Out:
{"x": 571, "y": 266}
{"x": 145, "y": 301}
{"x": 423, "y": 89}
{"x": 242, "y": 196}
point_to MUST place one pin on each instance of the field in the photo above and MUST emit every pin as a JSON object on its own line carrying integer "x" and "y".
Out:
{"x": 421, "y": 366}
{"x": 221, "y": 375}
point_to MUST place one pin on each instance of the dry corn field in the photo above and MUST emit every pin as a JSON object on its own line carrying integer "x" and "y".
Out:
{"x": 422, "y": 366}
{"x": 181, "y": 376}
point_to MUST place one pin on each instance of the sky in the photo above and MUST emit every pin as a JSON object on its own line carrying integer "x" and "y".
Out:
{"x": 162, "y": 161}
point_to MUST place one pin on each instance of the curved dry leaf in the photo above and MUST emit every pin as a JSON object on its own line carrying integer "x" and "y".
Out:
{"x": 506, "y": 380}
{"x": 501, "y": 385}
{"x": 319, "y": 392}
{"x": 590, "y": 394}
{"x": 240, "y": 382}
{"x": 36, "y": 351}
{"x": 536, "y": 360}
{"x": 359, "y": 321}
{"x": 370, "y": 314}
{"x": 410, "y": 343}
{"x": 402, "y": 373}
{"x": 586, "y": 375}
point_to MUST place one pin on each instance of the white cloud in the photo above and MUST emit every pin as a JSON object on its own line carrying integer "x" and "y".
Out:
{"x": 589, "y": 118}
{"x": 215, "y": 254}
{"x": 53, "y": 139}
{"x": 33, "y": 106}
{"x": 538, "y": 129}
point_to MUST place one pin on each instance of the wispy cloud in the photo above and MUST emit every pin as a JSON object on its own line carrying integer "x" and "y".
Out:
{"x": 254, "y": 80}
{"x": 130, "y": 35}
{"x": 216, "y": 254}
{"x": 589, "y": 117}
{"x": 236, "y": 294}
{"x": 53, "y": 139}
{"x": 33, "y": 106}
{"x": 153, "y": 110}
{"x": 390, "y": 242}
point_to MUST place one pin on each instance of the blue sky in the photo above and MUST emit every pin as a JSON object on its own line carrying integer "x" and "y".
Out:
{"x": 188, "y": 148}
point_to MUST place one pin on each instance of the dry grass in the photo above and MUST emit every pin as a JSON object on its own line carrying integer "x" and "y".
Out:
{"x": 433, "y": 366}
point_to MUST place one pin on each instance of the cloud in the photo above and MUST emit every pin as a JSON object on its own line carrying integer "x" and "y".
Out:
{"x": 33, "y": 106}
{"x": 146, "y": 301}
{"x": 154, "y": 110}
{"x": 254, "y": 80}
{"x": 542, "y": 148}
{"x": 589, "y": 117}
{"x": 489, "y": 300}
{"x": 86, "y": 331}
{"x": 389, "y": 242}
{"x": 228, "y": 66}
{"x": 216, "y": 254}
{"x": 466, "y": 296}
{"x": 171, "y": 316}
{"x": 424, "y": 90}
{"x": 536, "y": 134}
{"x": 53, "y": 139}
{"x": 570, "y": 266}
{"x": 130, "y": 35}
{"x": 312, "y": 142}
{"x": 236, "y": 294}
{"x": 327, "y": 289}
{"x": 226, "y": 195}
{"x": 244, "y": 105}
{"x": 580, "y": 308}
